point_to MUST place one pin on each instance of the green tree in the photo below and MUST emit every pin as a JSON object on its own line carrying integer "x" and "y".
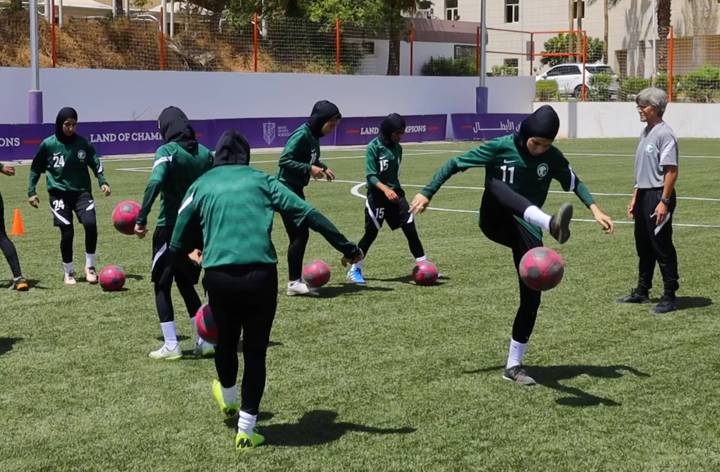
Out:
{"x": 559, "y": 43}
{"x": 374, "y": 15}
{"x": 664, "y": 15}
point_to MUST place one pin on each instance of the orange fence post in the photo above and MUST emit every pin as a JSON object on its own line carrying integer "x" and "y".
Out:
{"x": 255, "y": 42}
{"x": 477, "y": 51}
{"x": 53, "y": 35}
{"x": 412, "y": 46}
{"x": 161, "y": 39}
{"x": 671, "y": 54}
{"x": 584, "y": 61}
{"x": 337, "y": 45}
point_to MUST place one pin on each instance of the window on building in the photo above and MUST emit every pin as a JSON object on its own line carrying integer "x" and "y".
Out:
{"x": 511, "y": 65}
{"x": 512, "y": 11}
{"x": 464, "y": 51}
{"x": 579, "y": 7}
{"x": 451, "y": 10}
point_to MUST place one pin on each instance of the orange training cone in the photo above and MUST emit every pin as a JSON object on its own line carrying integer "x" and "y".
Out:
{"x": 18, "y": 227}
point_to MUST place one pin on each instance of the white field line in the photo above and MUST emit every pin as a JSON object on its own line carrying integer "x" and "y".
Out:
{"x": 355, "y": 191}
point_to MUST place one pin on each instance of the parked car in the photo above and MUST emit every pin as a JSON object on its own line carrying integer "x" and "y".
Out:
{"x": 569, "y": 78}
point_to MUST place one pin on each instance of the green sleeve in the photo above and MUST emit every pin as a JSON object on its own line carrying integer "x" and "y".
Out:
{"x": 371, "y": 170}
{"x": 287, "y": 203}
{"x": 154, "y": 185}
{"x": 96, "y": 165}
{"x": 38, "y": 166}
{"x": 289, "y": 156}
{"x": 570, "y": 182}
{"x": 187, "y": 226}
{"x": 479, "y": 157}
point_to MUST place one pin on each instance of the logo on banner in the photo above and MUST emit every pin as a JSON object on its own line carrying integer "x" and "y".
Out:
{"x": 9, "y": 142}
{"x": 269, "y": 132}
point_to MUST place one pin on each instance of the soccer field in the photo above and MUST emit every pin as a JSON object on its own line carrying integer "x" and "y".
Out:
{"x": 391, "y": 376}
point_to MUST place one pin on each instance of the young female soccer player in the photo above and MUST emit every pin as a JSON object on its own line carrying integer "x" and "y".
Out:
{"x": 518, "y": 172}
{"x": 65, "y": 157}
{"x": 299, "y": 161}
{"x": 385, "y": 196}
{"x": 231, "y": 207}
{"x": 8, "y": 248}
{"x": 178, "y": 163}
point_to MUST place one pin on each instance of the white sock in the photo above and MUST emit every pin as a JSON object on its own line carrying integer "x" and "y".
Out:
{"x": 69, "y": 268}
{"x": 420, "y": 259}
{"x": 515, "y": 354}
{"x": 246, "y": 422}
{"x": 89, "y": 260}
{"x": 170, "y": 334}
{"x": 229, "y": 394}
{"x": 536, "y": 216}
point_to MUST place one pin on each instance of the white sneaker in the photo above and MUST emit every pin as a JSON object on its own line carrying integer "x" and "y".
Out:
{"x": 204, "y": 349}
{"x": 70, "y": 278}
{"x": 91, "y": 275}
{"x": 166, "y": 353}
{"x": 300, "y": 288}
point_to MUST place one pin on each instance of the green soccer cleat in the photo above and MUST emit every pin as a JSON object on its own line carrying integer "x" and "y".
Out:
{"x": 245, "y": 441}
{"x": 228, "y": 410}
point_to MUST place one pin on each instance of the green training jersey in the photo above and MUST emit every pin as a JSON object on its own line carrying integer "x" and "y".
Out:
{"x": 300, "y": 153}
{"x": 382, "y": 164}
{"x": 528, "y": 176}
{"x": 174, "y": 170}
{"x": 66, "y": 166}
{"x": 233, "y": 206}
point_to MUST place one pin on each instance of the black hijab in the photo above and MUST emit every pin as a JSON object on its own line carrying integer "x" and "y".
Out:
{"x": 63, "y": 115}
{"x": 232, "y": 148}
{"x": 391, "y": 124}
{"x": 175, "y": 126}
{"x": 322, "y": 112}
{"x": 543, "y": 123}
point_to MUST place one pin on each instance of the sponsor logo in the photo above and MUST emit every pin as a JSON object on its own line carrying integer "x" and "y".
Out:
{"x": 9, "y": 142}
{"x": 369, "y": 131}
{"x": 507, "y": 126}
{"x": 269, "y": 132}
{"x": 542, "y": 170}
{"x": 650, "y": 148}
{"x": 81, "y": 154}
{"x": 505, "y": 161}
{"x": 416, "y": 129}
{"x": 137, "y": 136}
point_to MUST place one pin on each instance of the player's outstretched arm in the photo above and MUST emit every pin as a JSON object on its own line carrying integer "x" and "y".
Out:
{"x": 419, "y": 203}
{"x": 602, "y": 218}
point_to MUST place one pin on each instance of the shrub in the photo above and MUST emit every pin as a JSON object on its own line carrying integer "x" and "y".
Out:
{"x": 631, "y": 86}
{"x": 546, "y": 91}
{"x": 446, "y": 66}
{"x": 599, "y": 89}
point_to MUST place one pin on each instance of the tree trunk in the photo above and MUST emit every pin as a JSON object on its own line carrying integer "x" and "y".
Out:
{"x": 606, "y": 31}
{"x": 119, "y": 10}
{"x": 663, "y": 28}
{"x": 571, "y": 26}
{"x": 16, "y": 5}
{"x": 394, "y": 53}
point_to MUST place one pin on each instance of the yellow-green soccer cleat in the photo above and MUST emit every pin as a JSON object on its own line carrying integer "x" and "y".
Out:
{"x": 245, "y": 441}
{"x": 228, "y": 410}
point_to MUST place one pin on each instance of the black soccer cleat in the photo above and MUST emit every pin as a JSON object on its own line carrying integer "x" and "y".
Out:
{"x": 560, "y": 223}
{"x": 665, "y": 305}
{"x": 636, "y": 296}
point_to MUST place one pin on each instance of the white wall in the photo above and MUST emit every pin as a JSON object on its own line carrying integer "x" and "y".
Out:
{"x": 108, "y": 95}
{"x": 620, "y": 120}
{"x": 422, "y": 52}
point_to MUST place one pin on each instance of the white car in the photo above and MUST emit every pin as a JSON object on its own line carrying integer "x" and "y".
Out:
{"x": 569, "y": 77}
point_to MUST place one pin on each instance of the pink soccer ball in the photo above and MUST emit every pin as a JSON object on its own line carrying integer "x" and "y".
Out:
{"x": 541, "y": 268}
{"x": 425, "y": 273}
{"x": 317, "y": 273}
{"x": 111, "y": 278}
{"x": 205, "y": 323}
{"x": 124, "y": 215}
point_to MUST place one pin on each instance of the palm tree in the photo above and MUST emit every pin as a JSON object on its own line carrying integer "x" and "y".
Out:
{"x": 397, "y": 25}
{"x": 663, "y": 27}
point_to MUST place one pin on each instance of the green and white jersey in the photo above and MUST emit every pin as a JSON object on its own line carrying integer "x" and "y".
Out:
{"x": 233, "y": 207}
{"x": 382, "y": 164}
{"x": 528, "y": 176}
{"x": 174, "y": 170}
{"x": 301, "y": 152}
{"x": 66, "y": 166}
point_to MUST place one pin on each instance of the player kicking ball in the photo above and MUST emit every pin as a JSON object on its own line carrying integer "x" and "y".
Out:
{"x": 518, "y": 171}
{"x": 385, "y": 196}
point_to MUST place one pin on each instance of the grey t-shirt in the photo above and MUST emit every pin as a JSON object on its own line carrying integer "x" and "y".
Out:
{"x": 657, "y": 148}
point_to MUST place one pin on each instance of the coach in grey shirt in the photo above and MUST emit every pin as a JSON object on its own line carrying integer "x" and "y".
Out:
{"x": 653, "y": 201}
